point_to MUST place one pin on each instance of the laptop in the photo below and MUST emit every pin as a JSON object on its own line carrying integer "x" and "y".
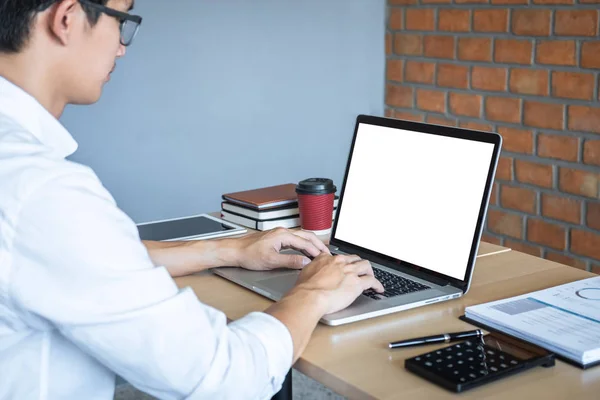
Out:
{"x": 413, "y": 202}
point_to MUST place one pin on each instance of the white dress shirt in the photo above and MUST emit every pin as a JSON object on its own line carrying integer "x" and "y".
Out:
{"x": 81, "y": 301}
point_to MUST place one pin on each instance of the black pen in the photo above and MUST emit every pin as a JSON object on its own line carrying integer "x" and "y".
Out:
{"x": 442, "y": 338}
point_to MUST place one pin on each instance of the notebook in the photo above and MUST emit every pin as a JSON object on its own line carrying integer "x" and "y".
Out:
{"x": 264, "y": 198}
{"x": 564, "y": 319}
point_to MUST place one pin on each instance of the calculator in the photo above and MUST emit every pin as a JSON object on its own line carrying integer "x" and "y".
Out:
{"x": 473, "y": 363}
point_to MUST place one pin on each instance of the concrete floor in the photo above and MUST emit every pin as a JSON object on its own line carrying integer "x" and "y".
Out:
{"x": 304, "y": 388}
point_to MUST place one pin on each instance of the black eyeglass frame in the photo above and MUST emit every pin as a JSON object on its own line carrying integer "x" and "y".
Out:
{"x": 121, "y": 16}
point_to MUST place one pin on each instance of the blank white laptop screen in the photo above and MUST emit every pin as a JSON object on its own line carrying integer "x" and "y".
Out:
{"x": 414, "y": 196}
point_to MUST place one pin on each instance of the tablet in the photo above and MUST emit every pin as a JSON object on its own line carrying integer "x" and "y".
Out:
{"x": 196, "y": 227}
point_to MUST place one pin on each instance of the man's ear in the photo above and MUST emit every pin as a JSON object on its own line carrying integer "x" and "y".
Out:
{"x": 64, "y": 19}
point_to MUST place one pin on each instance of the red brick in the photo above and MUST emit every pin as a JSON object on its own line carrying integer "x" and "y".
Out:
{"x": 471, "y": 1}
{"x": 561, "y": 208}
{"x": 475, "y": 49}
{"x": 388, "y": 43}
{"x": 395, "y": 22}
{"x": 408, "y": 44}
{"x": 582, "y": 118}
{"x": 420, "y": 72}
{"x": 489, "y": 78}
{"x": 454, "y": 20}
{"x": 534, "y": 173}
{"x": 590, "y": 54}
{"x": 509, "y": 1}
{"x": 439, "y": 46}
{"x": 433, "y": 119}
{"x": 585, "y": 243}
{"x": 516, "y": 140}
{"x": 407, "y": 116}
{"x": 518, "y": 199}
{"x": 523, "y": 247}
{"x": 431, "y": 100}
{"x": 556, "y": 52}
{"x": 593, "y": 215}
{"x": 576, "y": 22}
{"x": 420, "y": 19}
{"x": 573, "y": 85}
{"x": 436, "y": 1}
{"x": 394, "y": 70}
{"x": 565, "y": 260}
{"x": 591, "y": 152}
{"x": 582, "y": 183}
{"x": 529, "y": 22}
{"x": 487, "y": 238}
{"x": 399, "y": 96}
{"x": 544, "y": 115}
{"x": 476, "y": 126}
{"x": 505, "y": 169}
{"x": 559, "y": 147}
{"x": 465, "y": 104}
{"x": 504, "y": 223}
{"x": 551, "y": 235}
{"x": 513, "y": 51}
{"x": 494, "y": 194}
{"x": 490, "y": 20}
{"x": 450, "y": 75}
{"x": 503, "y": 109}
{"x": 401, "y": 2}
{"x": 529, "y": 81}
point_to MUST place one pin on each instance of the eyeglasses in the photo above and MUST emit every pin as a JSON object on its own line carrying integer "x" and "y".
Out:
{"x": 130, "y": 24}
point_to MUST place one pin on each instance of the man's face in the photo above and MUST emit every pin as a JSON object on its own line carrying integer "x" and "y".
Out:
{"x": 92, "y": 58}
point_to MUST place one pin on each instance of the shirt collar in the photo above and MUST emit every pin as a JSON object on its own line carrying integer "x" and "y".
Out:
{"x": 26, "y": 111}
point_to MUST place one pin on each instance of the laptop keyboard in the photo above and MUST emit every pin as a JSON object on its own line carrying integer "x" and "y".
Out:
{"x": 394, "y": 285}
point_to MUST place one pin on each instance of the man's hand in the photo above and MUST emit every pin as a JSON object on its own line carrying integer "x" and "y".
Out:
{"x": 326, "y": 285}
{"x": 261, "y": 251}
{"x": 340, "y": 279}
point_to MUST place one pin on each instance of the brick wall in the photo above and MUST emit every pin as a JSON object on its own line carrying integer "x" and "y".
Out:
{"x": 527, "y": 69}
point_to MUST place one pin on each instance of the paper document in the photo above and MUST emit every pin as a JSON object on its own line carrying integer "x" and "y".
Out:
{"x": 564, "y": 319}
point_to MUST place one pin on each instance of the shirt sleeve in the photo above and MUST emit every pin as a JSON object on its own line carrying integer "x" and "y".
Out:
{"x": 89, "y": 275}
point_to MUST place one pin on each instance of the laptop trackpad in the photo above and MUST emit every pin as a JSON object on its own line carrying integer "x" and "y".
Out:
{"x": 280, "y": 284}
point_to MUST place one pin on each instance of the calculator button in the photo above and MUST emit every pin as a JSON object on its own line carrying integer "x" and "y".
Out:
{"x": 449, "y": 349}
{"x": 428, "y": 364}
{"x": 468, "y": 343}
{"x": 494, "y": 369}
{"x": 450, "y": 366}
{"x": 513, "y": 362}
{"x": 501, "y": 357}
{"x": 490, "y": 352}
{"x": 483, "y": 372}
{"x": 459, "y": 354}
{"x": 460, "y": 362}
{"x": 470, "y": 359}
{"x": 456, "y": 372}
{"x": 463, "y": 380}
{"x": 469, "y": 350}
{"x": 449, "y": 357}
{"x": 503, "y": 365}
{"x": 439, "y": 360}
{"x": 472, "y": 376}
{"x": 458, "y": 346}
{"x": 418, "y": 359}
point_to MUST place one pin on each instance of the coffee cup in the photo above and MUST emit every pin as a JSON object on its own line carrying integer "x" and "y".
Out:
{"x": 315, "y": 201}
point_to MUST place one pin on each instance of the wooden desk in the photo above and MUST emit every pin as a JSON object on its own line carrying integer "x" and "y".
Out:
{"x": 354, "y": 360}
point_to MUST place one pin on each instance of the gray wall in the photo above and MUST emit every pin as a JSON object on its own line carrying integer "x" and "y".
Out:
{"x": 220, "y": 96}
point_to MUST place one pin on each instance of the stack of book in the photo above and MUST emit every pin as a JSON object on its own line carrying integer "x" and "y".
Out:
{"x": 265, "y": 208}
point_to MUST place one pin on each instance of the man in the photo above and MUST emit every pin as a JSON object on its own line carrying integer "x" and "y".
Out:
{"x": 81, "y": 297}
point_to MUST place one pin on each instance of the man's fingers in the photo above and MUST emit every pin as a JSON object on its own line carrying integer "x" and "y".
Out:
{"x": 290, "y": 240}
{"x": 360, "y": 268}
{"x": 369, "y": 282}
{"x": 292, "y": 261}
{"x": 314, "y": 240}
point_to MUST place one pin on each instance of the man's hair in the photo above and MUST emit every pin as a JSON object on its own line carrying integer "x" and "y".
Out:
{"x": 16, "y": 19}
